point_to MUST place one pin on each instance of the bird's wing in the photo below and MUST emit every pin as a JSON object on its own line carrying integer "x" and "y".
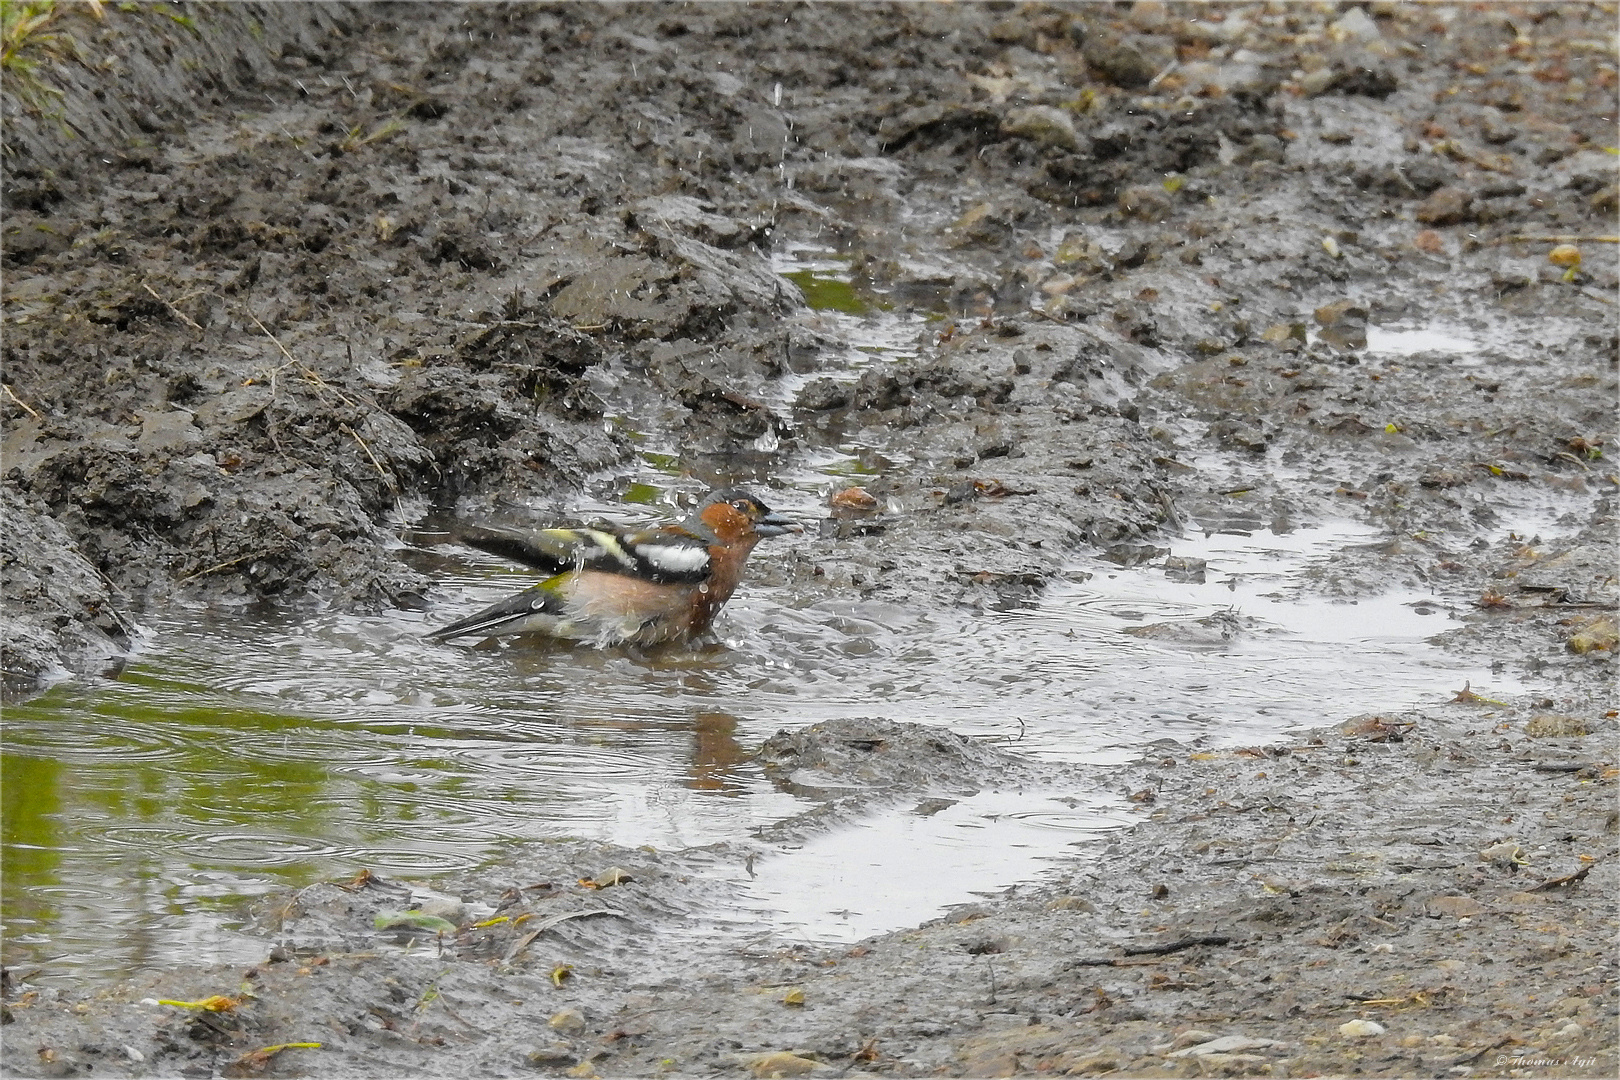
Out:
{"x": 552, "y": 551}
{"x": 663, "y": 555}
{"x": 668, "y": 555}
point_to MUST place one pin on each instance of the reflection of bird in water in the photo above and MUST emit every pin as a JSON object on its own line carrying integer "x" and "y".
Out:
{"x": 611, "y": 586}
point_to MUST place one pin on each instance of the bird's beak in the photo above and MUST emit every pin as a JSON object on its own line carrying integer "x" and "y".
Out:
{"x": 774, "y": 524}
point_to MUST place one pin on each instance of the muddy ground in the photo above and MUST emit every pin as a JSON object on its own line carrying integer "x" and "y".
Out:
{"x": 309, "y": 269}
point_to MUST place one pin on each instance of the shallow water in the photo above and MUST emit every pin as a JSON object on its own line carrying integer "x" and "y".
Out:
{"x": 239, "y": 754}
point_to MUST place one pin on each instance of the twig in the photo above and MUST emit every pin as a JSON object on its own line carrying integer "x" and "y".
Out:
{"x": 176, "y": 312}
{"x": 1567, "y": 879}
{"x": 1561, "y": 239}
{"x": 1151, "y": 950}
{"x": 387, "y": 479}
{"x": 1048, "y": 316}
{"x": 1469, "y": 1059}
{"x": 221, "y": 566}
{"x": 546, "y": 924}
{"x": 1176, "y": 946}
{"x": 309, "y": 373}
{"x": 20, "y": 402}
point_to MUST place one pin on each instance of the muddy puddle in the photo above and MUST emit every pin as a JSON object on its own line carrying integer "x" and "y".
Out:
{"x": 236, "y": 755}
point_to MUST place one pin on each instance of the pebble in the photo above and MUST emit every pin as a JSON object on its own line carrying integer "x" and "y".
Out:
{"x": 1318, "y": 82}
{"x": 1147, "y": 202}
{"x": 568, "y": 1021}
{"x": 1044, "y": 124}
{"x": 551, "y": 1054}
{"x": 1446, "y": 206}
{"x": 854, "y": 498}
{"x": 1120, "y": 64}
{"x": 1344, "y": 324}
{"x": 1550, "y": 726}
{"x": 782, "y": 1063}
{"x": 1226, "y": 1044}
{"x": 1354, "y": 25}
{"x": 1192, "y": 1037}
{"x": 1429, "y": 242}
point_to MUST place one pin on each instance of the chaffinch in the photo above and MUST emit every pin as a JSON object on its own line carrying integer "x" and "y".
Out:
{"x": 612, "y": 586}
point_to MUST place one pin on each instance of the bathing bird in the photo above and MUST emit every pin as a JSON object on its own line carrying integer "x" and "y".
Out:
{"x": 612, "y": 586}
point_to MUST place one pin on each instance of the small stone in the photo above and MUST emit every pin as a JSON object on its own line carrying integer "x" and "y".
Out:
{"x": 1549, "y": 726}
{"x": 1286, "y": 335}
{"x": 1010, "y": 31}
{"x": 1043, "y": 124}
{"x": 1231, "y": 1064}
{"x": 823, "y": 395}
{"x": 781, "y": 1063}
{"x": 1344, "y": 324}
{"x": 1225, "y": 1044}
{"x": 854, "y": 499}
{"x": 1361, "y": 1029}
{"x": 569, "y": 1021}
{"x": 1597, "y": 634}
{"x": 551, "y": 1054}
{"x": 1459, "y": 907}
{"x": 1148, "y": 14}
{"x": 1131, "y": 254}
{"x": 1093, "y": 1064}
{"x": 1446, "y": 206}
{"x": 1120, "y": 64}
{"x": 1072, "y": 903}
{"x": 1318, "y": 82}
{"x": 1429, "y": 242}
{"x": 1079, "y": 253}
{"x": 1147, "y": 202}
{"x": 1192, "y": 1037}
{"x": 1354, "y": 25}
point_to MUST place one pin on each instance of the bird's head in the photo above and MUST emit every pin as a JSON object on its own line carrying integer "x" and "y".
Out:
{"x": 734, "y": 515}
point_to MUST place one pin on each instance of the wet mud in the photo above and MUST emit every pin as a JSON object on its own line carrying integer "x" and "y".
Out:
{"x": 1226, "y": 268}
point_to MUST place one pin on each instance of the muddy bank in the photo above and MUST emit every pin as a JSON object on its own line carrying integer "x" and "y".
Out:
{"x": 1283, "y": 910}
{"x": 320, "y": 292}
{"x": 1216, "y": 269}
